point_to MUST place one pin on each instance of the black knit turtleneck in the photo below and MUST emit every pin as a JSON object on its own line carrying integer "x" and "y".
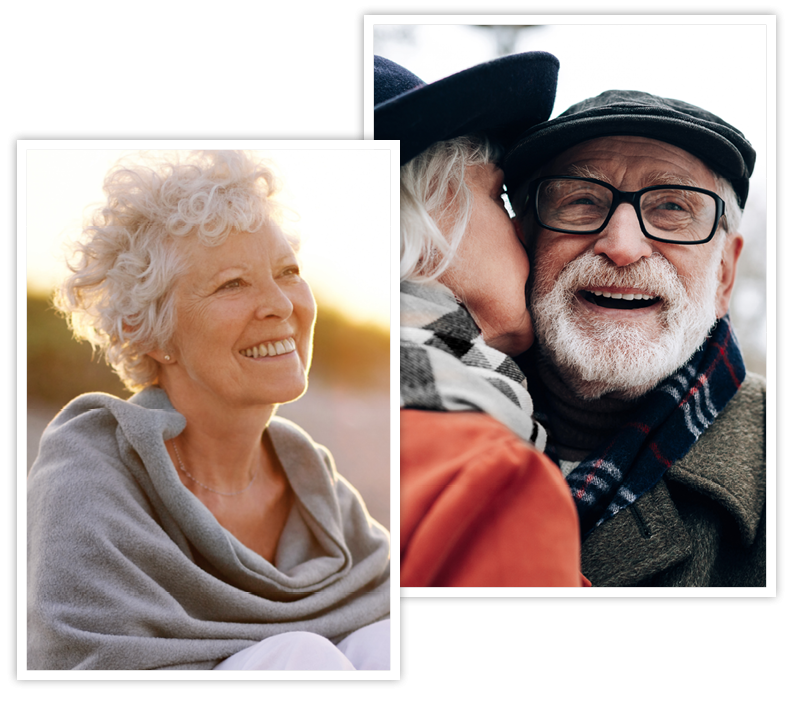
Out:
{"x": 574, "y": 426}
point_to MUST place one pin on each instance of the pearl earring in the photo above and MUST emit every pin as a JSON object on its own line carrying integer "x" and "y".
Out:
{"x": 166, "y": 357}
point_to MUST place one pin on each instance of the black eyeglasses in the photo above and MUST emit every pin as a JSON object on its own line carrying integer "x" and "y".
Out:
{"x": 686, "y": 215}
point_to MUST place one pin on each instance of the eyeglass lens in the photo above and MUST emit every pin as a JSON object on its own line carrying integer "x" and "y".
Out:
{"x": 671, "y": 213}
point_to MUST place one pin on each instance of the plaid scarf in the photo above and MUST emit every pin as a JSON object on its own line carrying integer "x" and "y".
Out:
{"x": 445, "y": 365}
{"x": 671, "y": 419}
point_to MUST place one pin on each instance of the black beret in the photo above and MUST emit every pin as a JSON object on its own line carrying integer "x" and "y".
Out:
{"x": 722, "y": 147}
{"x": 502, "y": 98}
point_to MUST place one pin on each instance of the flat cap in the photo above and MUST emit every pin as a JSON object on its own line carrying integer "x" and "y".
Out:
{"x": 722, "y": 147}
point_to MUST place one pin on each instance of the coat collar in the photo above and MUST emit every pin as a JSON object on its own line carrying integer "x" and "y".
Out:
{"x": 729, "y": 466}
{"x": 726, "y": 467}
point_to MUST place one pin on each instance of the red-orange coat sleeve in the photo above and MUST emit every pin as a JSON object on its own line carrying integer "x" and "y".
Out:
{"x": 481, "y": 507}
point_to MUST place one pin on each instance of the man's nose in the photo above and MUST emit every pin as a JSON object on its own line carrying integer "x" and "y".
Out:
{"x": 622, "y": 241}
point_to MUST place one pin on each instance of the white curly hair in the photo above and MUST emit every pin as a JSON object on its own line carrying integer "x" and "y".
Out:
{"x": 433, "y": 190}
{"x": 126, "y": 261}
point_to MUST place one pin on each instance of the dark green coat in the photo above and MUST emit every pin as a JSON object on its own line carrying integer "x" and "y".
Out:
{"x": 704, "y": 524}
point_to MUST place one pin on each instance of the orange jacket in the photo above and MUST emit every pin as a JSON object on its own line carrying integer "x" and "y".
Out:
{"x": 481, "y": 507}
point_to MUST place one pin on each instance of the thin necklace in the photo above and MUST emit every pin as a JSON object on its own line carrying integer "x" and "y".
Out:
{"x": 218, "y": 492}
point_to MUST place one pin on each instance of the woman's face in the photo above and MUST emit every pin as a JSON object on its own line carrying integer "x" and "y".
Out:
{"x": 491, "y": 267}
{"x": 245, "y": 321}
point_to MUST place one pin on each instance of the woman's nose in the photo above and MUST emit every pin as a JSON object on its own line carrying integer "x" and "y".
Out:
{"x": 622, "y": 240}
{"x": 273, "y": 302}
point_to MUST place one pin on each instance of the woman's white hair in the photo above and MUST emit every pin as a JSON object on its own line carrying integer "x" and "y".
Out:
{"x": 433, "y": 191}
{"x": 126, "y": 261}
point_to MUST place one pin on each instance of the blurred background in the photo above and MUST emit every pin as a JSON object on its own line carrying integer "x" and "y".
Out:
{"x": 714, "y": 64}
{"x": 345, "y": 255}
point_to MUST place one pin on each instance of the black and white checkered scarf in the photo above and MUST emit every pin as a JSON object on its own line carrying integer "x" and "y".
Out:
{"x": 445, "y": 365}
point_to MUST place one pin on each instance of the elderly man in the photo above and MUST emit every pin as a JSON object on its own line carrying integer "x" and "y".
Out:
{"x": 629, "y": 205}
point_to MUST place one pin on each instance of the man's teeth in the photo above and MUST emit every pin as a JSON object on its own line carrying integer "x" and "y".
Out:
{"x": 616, "y": 295}
{"x": 270, "y": 349}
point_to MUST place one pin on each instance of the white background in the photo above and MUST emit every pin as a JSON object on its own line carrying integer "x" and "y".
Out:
{"x": 156, "y": 65}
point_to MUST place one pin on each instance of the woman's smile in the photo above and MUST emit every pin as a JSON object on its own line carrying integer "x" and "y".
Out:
{"x": 270, "y": 349}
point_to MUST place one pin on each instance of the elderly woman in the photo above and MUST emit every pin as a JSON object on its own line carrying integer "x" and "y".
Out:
{"x": 188, "y": 527}
{"x": 481, "y": 505}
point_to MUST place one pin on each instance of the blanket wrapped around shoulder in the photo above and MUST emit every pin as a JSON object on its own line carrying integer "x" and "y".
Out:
{"x": 127, "y": 569}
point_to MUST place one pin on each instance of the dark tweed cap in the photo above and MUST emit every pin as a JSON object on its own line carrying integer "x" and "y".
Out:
{"x": 721, "y": 146}
{"x": 502, "y": 98}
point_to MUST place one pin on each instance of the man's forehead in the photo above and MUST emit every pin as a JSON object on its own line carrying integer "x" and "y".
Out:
{"x": 608, "y": 157}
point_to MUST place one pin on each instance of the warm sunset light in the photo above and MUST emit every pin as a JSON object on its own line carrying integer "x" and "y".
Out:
{"x": 339, "y": 197}
{"x": 342, "y": 215}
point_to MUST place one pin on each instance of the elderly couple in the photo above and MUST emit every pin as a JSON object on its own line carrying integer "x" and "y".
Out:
{"x": 575, "y": 407}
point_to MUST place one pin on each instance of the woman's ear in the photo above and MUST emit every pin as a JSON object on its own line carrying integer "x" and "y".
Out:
{"x": 519, "y": 229}
{"x": 160, "y": 355}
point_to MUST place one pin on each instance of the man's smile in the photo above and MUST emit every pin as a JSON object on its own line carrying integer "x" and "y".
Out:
{"x": 619, "y": 300}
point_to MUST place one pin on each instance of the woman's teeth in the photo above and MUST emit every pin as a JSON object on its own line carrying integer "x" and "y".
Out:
{"x": 264, "y": 350}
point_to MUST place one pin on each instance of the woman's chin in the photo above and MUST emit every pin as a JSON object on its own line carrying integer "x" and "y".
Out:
{"x": 288, "y": 391}
{"x": 512, "y": 344}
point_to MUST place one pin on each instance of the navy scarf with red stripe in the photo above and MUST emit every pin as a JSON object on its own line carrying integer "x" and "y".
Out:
{"x": 670, "y": 420}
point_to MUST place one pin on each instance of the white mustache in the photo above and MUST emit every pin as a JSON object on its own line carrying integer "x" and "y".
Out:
{"x": 653, "y": 275}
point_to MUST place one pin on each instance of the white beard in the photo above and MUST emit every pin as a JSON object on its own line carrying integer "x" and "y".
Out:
{"x": 596, "y": 357}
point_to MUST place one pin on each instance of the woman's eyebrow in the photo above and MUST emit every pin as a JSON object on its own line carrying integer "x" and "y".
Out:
{"x": 228, "y": 272}
{"x": 230, "y": 269}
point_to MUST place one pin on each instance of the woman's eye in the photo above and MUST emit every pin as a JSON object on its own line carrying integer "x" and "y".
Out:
{"x": 233, "y": 284}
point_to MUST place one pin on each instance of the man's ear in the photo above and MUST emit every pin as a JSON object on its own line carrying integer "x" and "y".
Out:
{"x": 727, "y": 272}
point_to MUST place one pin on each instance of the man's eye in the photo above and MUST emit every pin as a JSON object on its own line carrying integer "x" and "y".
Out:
{"x": 671, "y": 206}
{"x": 583, "y": 201}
